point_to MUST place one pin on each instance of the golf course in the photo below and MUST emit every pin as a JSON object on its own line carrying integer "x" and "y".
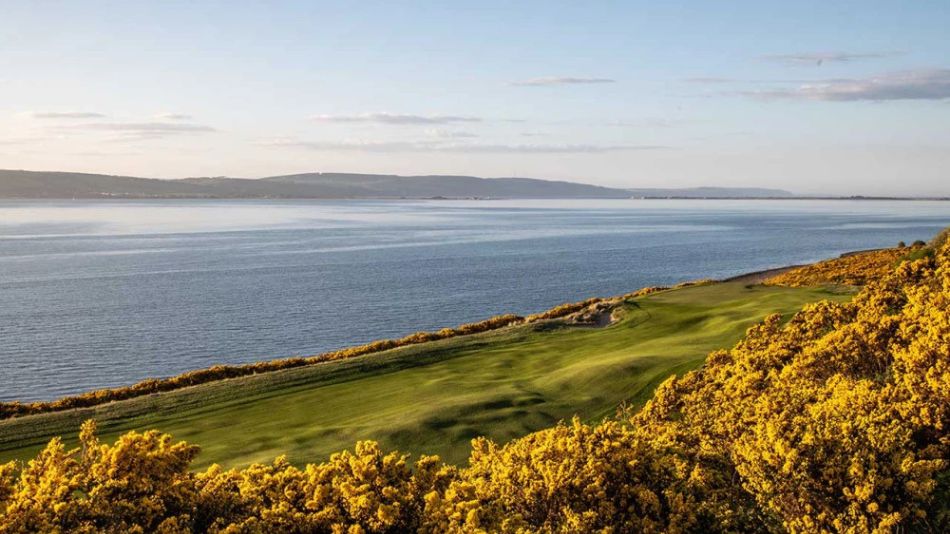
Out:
{"x": 434, "y": 397}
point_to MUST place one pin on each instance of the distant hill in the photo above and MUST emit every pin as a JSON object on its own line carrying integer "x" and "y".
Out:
{"x": 711, "y": 192}
{"x": 27, "y": 184}
{"x": 32, "y": 184}
{"x": 345, "y": 185}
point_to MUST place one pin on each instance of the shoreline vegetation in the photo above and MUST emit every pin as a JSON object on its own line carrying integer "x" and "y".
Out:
{"x": 594, "y": 311}
{"x": 834, "y": 420}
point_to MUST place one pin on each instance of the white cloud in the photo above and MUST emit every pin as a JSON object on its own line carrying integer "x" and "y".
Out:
{"x": 66, "y": 115}
{"x": 141, "y": 131}
{"x": 450, "y": 134}
{"x": 357, "y": 146}
{"x": 908, "y": 85}
{"x": 818, "y": 58}
{"x": 172, "y": 116}
{"x": 646, "y": 122}
{"x": 396, "y": 118}
{"x": 708, "y": 80}
{"x": 560, "y": 80}
{"x": 443, "y": 147}
{"x": 147, "y": 127}
{"x": 107, "y": 154}
{"x": 549, "y": 149}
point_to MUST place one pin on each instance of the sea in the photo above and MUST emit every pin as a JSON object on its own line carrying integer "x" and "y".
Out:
{"x": 105, "y": 293}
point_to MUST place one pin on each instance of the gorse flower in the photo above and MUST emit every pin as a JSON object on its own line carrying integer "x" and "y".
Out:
{"x": 852, "y": 270}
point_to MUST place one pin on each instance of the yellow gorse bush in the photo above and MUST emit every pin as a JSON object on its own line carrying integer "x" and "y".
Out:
{"x": 139, "y": 484}
{"x": 851, "y": 270}
{"x": 834, "y": 421}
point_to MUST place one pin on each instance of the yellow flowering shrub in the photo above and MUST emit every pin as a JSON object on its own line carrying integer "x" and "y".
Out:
{"x": 139, "y": 484}
{"x": 360, "y": 491}
{"x": 851, "y": 270}
{"x": 581, "y": 478}
{"x": 835, "y": 420}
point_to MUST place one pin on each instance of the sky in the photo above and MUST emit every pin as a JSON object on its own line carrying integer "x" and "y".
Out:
{"x": 814, "y": 97}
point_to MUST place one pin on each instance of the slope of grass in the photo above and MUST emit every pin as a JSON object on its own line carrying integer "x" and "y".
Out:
{"x": 434, "y": 397}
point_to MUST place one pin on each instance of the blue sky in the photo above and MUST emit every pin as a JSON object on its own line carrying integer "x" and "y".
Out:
{"x": 837, "y": 97}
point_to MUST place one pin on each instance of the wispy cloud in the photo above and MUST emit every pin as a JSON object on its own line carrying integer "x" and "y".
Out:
{"x": 908, "y": 85}
{"x": 560, "y": 80}
{"x": 396, "y": 118}
{"x": 23, "y": 140}
{"x": 356, "y": 146}
{"x": 442, "y": 147}
{"x": 65, "y": 115}
{"x": 172, "y": 116}
{"x": 708, "y": 80}
{"x": 450, "y": 134}
{"x": 136, "y": 131}
{"x": 147, "y": 127}
{"x": 109, "y": 154}
{"x": 647, "y": 122}
{"x": 818, "y": 58}
{"x": 549, "y": 149}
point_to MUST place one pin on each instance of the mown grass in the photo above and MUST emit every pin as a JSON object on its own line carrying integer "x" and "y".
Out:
{"x": 434, "y": 397}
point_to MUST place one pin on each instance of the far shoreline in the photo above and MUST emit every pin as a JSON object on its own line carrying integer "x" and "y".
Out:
{"x": 857, "y": 198}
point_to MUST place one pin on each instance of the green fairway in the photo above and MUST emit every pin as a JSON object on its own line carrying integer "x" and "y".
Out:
{"x": 434, "y": 397}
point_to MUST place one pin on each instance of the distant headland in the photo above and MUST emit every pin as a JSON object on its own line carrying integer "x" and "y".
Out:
{"x": 72, "y": 185}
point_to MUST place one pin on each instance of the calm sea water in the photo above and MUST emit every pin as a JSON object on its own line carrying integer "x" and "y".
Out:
{"x": 106, "y": 293}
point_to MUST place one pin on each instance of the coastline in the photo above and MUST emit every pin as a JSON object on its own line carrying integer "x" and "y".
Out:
{"x": 592, "y": 312}
{"x": 457, "y": 198}
{"x": 434, "y": 397}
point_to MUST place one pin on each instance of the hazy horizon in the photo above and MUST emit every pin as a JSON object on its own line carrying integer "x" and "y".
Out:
{"x": 815, "y": 98}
